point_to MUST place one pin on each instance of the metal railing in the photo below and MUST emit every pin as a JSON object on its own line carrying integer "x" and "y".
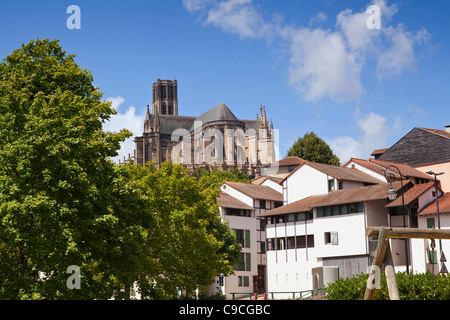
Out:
{"x": 295, "y": 294}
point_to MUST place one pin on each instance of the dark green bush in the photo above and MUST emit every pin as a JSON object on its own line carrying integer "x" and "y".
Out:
{"x": 411, "y": 287}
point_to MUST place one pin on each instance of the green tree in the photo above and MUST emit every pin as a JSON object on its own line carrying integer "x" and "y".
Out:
{"x": 57, "y": 186}
{"x": 217, "y": 177}
{"x": 188, "y": 244}
{"x": 312, "y": 148}
{"x": 64, "y": 203}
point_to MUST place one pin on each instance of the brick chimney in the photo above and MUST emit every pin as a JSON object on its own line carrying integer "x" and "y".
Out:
{"x": 447, "y": 128}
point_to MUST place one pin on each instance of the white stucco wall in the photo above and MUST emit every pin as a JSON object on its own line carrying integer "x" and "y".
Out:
{"x": 276, "y": 186}
{"x": 361, "y": 168}
{"x": 237, "y": 194}
{"x": 305, "y": 182}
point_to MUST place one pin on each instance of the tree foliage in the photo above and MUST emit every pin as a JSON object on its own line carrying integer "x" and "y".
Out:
{"x": 188, "y": 244}
{"x": 64, "y": 203}
{"x": 217, "y": 177}
{"x": 312, "y": 148}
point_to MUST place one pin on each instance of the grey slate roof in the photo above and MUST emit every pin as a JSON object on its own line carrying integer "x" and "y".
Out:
{"x": 218, "y": 113}
{"x": 169, "y": 123}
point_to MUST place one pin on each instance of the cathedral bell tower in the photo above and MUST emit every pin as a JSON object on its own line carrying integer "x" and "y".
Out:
{"x": 165, "y": 97}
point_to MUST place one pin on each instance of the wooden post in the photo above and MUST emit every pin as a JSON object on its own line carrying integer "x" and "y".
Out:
{"x": 391, "y": 279}
{"x": 380, "y": 252}
{"x": 383, "y": 253}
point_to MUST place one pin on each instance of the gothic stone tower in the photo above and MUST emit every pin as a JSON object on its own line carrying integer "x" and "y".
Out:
{"x": 157, "y": 143}
{"x": 165, "y": 97}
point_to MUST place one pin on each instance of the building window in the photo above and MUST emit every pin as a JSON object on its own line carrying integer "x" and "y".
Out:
{"x": 243, "y": 237}
{"x": 280, "y": 243}
{"x": 278, "y": 204}
{"x": 430, "y": 223}
{"x": 262, "y": 224}
{"x": 331, "y": 185}
{"x": 263, "y": 247}
{"x": 262, "y": 204}
{"x": 244, "y": 262}
{"x": 271, "y": 244}
{"x": 301, "y": 242}
{"x": 340, "y": 209}
{"x": 291, "y": 217}
{"x": 238, "y": 212}
{"x": 243, "y": 281}
{"x": 292, "y": 168}
{"x": 331, "y": 238}
{"x": 305, "y": 241}
{"x": 291, "y": 242}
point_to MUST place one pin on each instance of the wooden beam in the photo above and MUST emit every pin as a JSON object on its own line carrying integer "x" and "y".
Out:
{"x": 391, "y": 279}
{"x": 409, "y": 233}
{"x": 380, "y": 253}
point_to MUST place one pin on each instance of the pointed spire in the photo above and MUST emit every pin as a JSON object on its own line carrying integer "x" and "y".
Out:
{"x": 271, "y": 126}
{"x": 264, "y": 124}
{"x": 148, "y": 113}
{"x": 156, "y": 122}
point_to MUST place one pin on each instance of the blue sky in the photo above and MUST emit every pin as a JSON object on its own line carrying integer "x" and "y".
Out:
{"x": 314, "y": 64}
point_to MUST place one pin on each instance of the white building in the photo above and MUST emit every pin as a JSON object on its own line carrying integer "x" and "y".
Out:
{"x": 241, "y": 204}
{"x": 321, "y": 232}
{"x": 311, "y": 178}
{"x": 327, "y": 210}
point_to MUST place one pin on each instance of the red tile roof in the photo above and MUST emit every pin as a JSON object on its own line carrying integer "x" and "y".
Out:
{"x": 407, "y": 171}
{"x": 444, "y": 205}
{"x": 260, "y": 180}
{"x": 412, "y": 194}
{"x": 256, "y": 191}
{"x": 227, "y": 201}
{"x": 337, "y": 197}
{"x": 303, "y": 205}
{"x": 379, "y": 151}
{"x": 338, "y": 172}
{"x": 380, "y": 166}
{"x": 288, "y": 161}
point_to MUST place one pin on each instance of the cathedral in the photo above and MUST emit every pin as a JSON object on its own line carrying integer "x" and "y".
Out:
{"x": 217, "y": 139}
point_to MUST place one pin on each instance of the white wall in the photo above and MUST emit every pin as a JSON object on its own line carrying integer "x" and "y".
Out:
{"x": 420, "y": 247}
{"x": 361, "y": 168}
{"x": 276, "y": 186}
{"x": 290, "y": 270}
{"x": 237, "y": 194}
{"x": 305, "y": 182}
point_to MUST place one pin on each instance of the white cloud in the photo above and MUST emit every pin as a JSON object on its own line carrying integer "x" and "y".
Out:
{"x": 320, "y": 66}
{"x": 400, "y": 56}
{"x": 323, "y": 63}
{"x": 374, "y": 131}
{"x": 127, "y": 120}
{"x": 233, "y": 16}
